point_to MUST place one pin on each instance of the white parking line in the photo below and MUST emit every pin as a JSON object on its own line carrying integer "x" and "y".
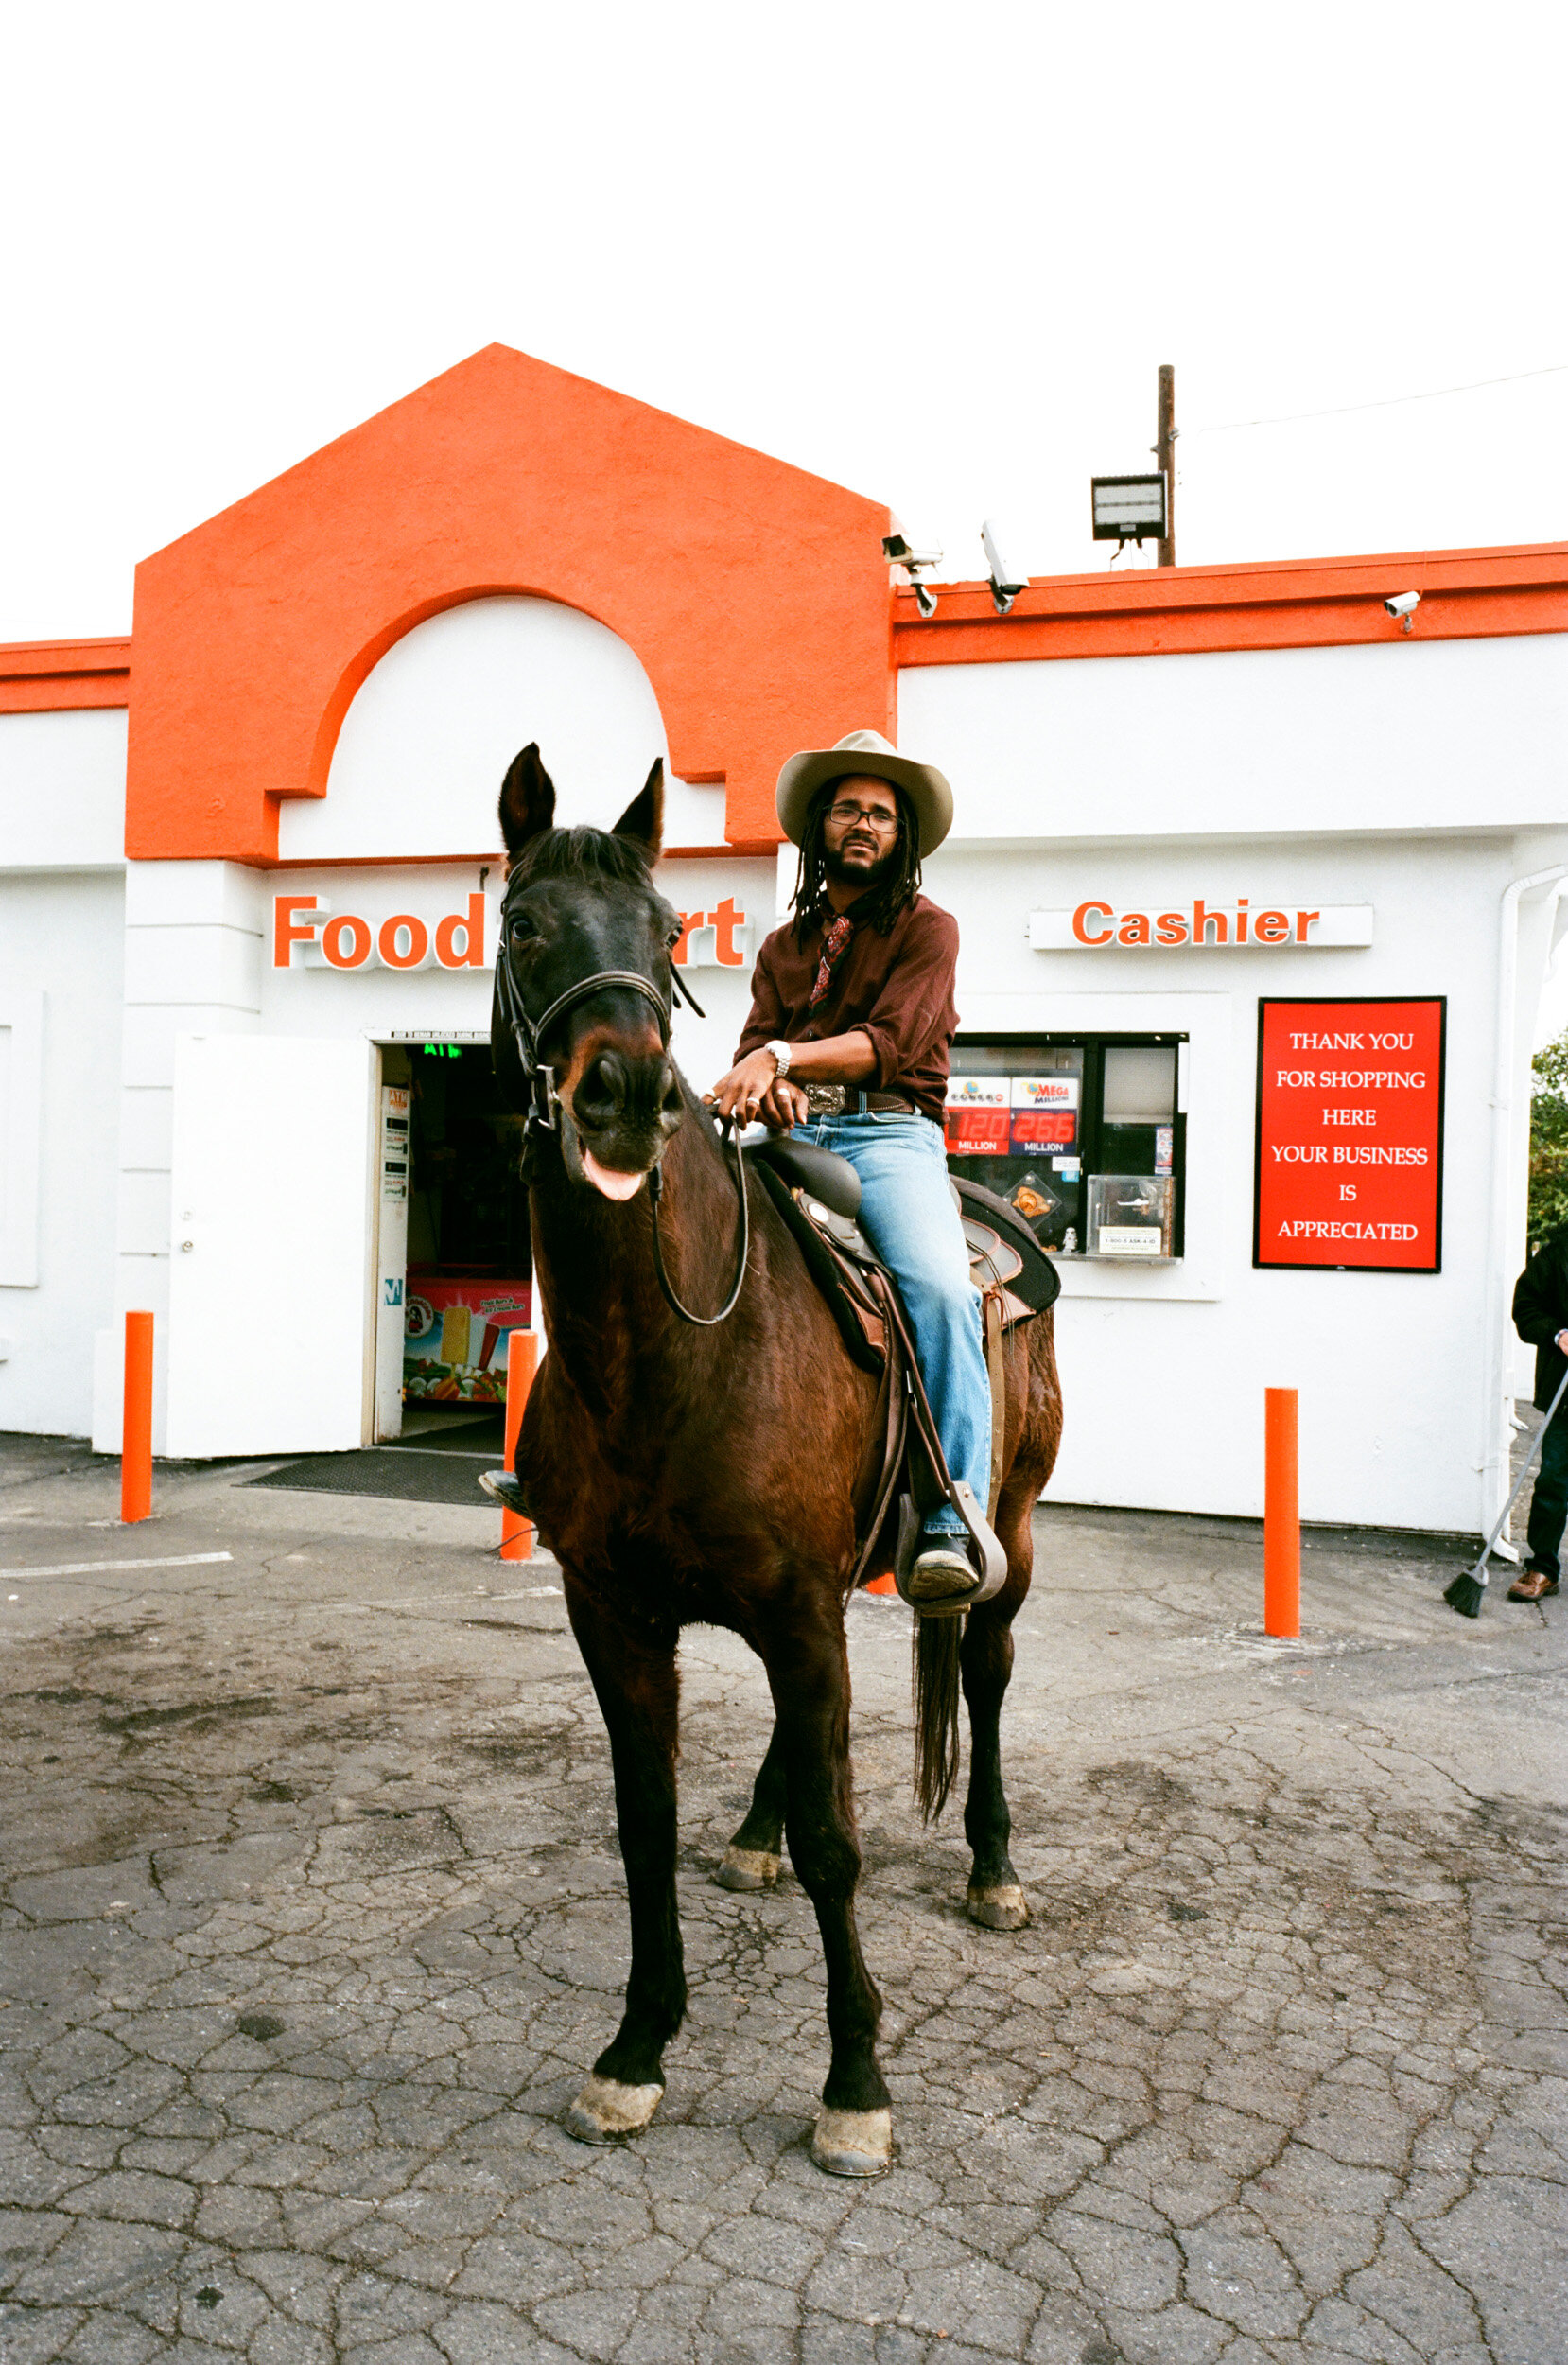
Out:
{"x": 103, "y": 1568}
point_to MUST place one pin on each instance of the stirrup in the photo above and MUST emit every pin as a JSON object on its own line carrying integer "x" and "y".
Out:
{"x": 986, "y": 1549}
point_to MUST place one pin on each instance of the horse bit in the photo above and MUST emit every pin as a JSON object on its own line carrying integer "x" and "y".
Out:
{"x": 543, "y": 1098}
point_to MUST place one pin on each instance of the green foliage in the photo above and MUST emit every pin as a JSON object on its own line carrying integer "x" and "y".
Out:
{"x": 1549, "y": 1142}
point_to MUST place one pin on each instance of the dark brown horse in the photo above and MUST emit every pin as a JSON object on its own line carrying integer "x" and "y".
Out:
{"x": 703, "y": 1475}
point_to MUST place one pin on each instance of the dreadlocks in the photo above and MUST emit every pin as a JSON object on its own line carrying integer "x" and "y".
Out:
{"x": 880, "y": 905}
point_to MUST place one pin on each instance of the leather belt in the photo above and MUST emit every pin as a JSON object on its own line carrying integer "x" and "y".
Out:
{"x": 844, "y": 1100}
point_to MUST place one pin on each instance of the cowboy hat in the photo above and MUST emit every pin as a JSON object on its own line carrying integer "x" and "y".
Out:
{"x": 865, "y": 752}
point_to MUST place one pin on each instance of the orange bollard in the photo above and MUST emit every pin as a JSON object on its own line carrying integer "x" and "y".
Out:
{"x": 1281, "y": 1518}
{"x": 522, "y": 1353}
{"x": 136, "y": 1430}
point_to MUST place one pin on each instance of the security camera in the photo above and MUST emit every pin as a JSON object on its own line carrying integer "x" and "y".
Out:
{"x": 899, "y": 553}
{"x": 1402, "y": 604}
{"x": 1006, "y": 582}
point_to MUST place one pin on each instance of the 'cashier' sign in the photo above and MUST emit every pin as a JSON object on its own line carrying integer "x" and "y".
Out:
{"x": 1350, "y": 1135}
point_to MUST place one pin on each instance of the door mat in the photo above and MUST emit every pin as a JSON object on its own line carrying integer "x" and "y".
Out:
{"x": 390, "y": 1471}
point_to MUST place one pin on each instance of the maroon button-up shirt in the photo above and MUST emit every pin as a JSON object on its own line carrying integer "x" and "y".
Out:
{"x": 897, "y": 990}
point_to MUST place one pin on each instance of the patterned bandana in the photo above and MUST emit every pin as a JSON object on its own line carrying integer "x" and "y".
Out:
{"x": 834, "y": 946}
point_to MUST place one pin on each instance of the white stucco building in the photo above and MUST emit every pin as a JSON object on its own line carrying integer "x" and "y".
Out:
{"x": 228, "y": 946}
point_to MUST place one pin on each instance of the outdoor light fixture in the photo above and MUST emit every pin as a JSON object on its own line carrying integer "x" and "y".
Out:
{"x": 915, "y": 563}
{"x": 1129, "y": 507}
{"x": 1006, "y": 582}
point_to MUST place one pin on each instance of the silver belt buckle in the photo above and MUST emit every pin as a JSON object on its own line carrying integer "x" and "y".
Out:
{"x": 825, "y": 1100}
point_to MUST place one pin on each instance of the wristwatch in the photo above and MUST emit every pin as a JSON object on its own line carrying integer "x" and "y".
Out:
{"x": 781, "y": 1055}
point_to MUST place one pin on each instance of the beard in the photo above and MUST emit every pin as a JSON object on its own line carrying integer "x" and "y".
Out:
{"x": 852, "y": 874}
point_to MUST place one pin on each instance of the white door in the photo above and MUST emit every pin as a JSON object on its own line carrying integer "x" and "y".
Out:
{"x": 271, "y": 1248}
{"x": 391, "y": 1255}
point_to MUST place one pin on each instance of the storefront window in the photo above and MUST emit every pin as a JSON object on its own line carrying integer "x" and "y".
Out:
{"x": 1037, "y": 1117}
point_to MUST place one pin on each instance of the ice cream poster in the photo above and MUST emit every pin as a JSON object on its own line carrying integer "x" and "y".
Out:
{"x": 454, "y": 1339}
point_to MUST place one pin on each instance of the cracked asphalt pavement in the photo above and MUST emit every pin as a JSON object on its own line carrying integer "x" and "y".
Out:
{"x": 311, "y": 1922}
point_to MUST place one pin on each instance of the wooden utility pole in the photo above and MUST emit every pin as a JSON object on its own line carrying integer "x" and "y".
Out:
{"x": 1165, "y": 458}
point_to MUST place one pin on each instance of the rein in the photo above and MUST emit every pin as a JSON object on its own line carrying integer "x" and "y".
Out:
{"x": 544, "y": 1099}
{"x": 655, "y": 1192}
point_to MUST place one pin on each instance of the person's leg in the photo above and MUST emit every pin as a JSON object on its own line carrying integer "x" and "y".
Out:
{"x": 1549, "y": 1503}
{"x": 908, "y": 1216}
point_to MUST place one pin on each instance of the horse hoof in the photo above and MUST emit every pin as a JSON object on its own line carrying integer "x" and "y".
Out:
{"x": 607, "y": 2112}
{"x": 854, "y": 2143}
{"x": 1000, "y": 1908}
{"x": 747, "y": 1869}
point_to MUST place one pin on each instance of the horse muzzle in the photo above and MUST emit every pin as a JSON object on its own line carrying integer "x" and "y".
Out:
{"x": 624, "y": 1109}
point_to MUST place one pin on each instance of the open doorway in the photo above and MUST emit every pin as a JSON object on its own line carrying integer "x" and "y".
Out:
{"x": 454, "y": 1264}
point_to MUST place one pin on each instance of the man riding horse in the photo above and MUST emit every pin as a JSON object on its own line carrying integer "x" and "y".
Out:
{"x": 846, "y": 1044}
{"x": 693, "y": 1470}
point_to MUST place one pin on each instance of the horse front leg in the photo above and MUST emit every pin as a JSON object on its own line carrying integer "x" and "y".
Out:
{"x": 809, "y": 1673}
{"x": 752, "y": 1858}
{"x": 996, "y": 1898}
{"x": 638, "y": 1691}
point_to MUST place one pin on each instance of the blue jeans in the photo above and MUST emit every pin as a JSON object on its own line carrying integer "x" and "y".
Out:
{"x": 908, "y": 1216}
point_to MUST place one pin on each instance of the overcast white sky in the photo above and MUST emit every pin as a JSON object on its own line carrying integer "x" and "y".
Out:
{"x": 934, "y": 254}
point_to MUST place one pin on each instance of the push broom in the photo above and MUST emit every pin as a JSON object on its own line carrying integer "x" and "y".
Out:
{"x": 1465, "y": 1593}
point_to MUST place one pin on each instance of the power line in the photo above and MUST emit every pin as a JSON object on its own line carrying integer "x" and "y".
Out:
{"x": 1388, "y": 402}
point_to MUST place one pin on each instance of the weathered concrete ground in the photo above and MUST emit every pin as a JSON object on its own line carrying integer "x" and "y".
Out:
{"x": 312, "y": 1921}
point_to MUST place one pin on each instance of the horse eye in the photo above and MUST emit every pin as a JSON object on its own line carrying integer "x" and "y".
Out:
{"x": 522, "y": 928}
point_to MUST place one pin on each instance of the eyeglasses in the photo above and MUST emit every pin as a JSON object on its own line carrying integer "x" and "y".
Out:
{"x": 844, "y": 812}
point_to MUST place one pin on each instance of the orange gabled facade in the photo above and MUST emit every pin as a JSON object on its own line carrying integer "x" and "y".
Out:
{"x": 754, "y": 595}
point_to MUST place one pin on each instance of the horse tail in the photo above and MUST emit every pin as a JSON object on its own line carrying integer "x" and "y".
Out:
{"x": 935, "y": 1671}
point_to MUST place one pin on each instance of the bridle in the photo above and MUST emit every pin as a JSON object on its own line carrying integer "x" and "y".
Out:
{"x": 545, "y": 1100}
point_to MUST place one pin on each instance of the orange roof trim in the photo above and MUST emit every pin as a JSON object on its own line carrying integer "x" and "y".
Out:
{"x": 52, "y": 677}
{"x": 1280, "y": 603}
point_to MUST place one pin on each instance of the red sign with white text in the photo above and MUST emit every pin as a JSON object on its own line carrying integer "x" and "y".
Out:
{"x": 975, "y": 1132}
{"x": 1350, "y": 1135}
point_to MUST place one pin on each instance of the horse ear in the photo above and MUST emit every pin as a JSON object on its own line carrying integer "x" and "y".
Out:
{"x": 643, "y": 819}
{"x": 528, "y": 800}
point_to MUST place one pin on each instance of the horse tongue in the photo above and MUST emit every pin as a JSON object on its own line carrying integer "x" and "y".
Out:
{"x": 605, "y": 1179}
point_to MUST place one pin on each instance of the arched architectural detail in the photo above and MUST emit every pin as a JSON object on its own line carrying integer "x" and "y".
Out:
{"x": 424, "y": 741}
{"x": 754, "y": 595}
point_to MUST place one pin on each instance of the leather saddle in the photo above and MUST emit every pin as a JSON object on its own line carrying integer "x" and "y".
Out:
{"x": 818, "y": 1196}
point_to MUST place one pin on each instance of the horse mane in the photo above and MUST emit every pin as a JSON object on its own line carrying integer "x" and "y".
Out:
{"x": 582, "y": 854}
